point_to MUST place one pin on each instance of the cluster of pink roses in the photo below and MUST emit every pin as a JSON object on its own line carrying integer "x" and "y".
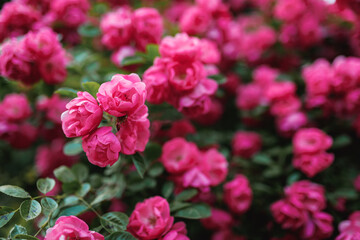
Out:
{"x": 151, "y": 219}
{"x": 190, "y": 167}
{"x": 310, "y": 156}
{"x": 123, "y": 26}
{"x": 179, "y": 76}
{"x": 301, "y": 211}
{"x": 350, "y": 229}
{"x": 39, "y": 55}
{"x": 123, "y": 99}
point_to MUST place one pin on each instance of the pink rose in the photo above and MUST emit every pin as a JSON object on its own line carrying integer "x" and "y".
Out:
{"x": 246, "y": 144}
{"x": 196, "y": 178}
{"x": 311, "y": 140}
{"x": 238, "y": 194}
{"x": 349, "y": 229}
{"x": 319, "y": 226}
{"x": 210, "y": 53}
{"x": 53, "y": 107}
{"x": 249, "y": 97}
{"x": 194, "y": 21}
{"x": 213, "y": 115}
{"x": 265, "y": 76}
{"x": 83, "y": 115}
{"x": 289, "y": 124}
{"x": 71, "y": 13}
{"x": 318, "y": 77}
{"x": 123, "y": 95}
{"x": 226, "y": 234}
{"x": 288, "y": 215}
{"x": 180, "y": 128}
{"x": 22, "y": 136}
{"x": 280, "y": 90}
{"x": 116, "y": 28}
{"x": 102, "y": 147}
{"x": 71, "y": 227}
{"x": 215, "y": 166}
{"x": 156, "y": 82}
{"x": 148, "y": 26}
{"x": 178, "y": 155}
{"x": 180, "y": 48}
{"x": 306, "y": 195}
{"x": 53, "y": 70}
{"x": 15, "y": 107}
{"x": 286, "y": 11}
{"x": 285, "y": 106}
{"x": 177, "y": 232}
{"x": 312, "y": 164}
{"x": 150, "y": 219}
{"x": 219, "y": 219}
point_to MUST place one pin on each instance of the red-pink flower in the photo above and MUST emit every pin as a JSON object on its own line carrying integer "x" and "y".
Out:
{"x": 318, "y": 77}
{"x": 312, "y": 164}
{"x": 71, "y": 227}
{"x": 15, "y": 107}
{"x": 249, "y": 97}
{"x": 311, "y": 141}
{"x": 288, "y": 215}
{"x": 246, "y": 144}
{"x": 71, "y": 13}
{"x": 318, "y": 226}
{"x": 350, "y": 229}
{"x": 289, "y": 124}
{"x": 19, "y": 136}
{"x": 123, "y": 95}
{"x": 177, "y": 232}
{"x": 238, "y": 194}
{"x": 194, "y": 21}
{"x": 101, "y": 147}
{"x": 150, "y": 219}
{"x": 280, "y": 90}
{"x": 210, "y": 53}
{"x": 265, "y": 76}
{"x": 83, "y": 115}
{"x": 215, "y": 166}
{"x": 219, "y": 219}
{"x": 53, "y": 107}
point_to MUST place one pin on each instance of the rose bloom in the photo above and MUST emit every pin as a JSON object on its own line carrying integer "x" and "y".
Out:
{"x": 150, "y": 219}
{"x": 264, "y": 75}
{"x": 210, "y": 53}
{"x": 249, "y": 96}
{"x": 214, "y": 166}
{"x": 246, "y": 144}
{"x": 212, "y": 116}
{"x": 318, "y": 226}
{"x": 238, "y": 194}
{"x": 306, "y": 195}
{"x": 123, "y": 95}
{"x": 280, "y": 90}
{"x": 116, "y": 28}
{"x": 102, "y": 147}
{"x": 226, "y": 234}
{"x": 178, "y": 155}
{"x": 53, "y": 70}
{"x": 312, "y": 164}
{"x": 350, "y": 229}
{"x": 291, "y": 123}
{"x": 288, "y": 215}
{"x": 180, "y": 128}
{"x": 318, "y": 77}
{"x": 177, "y": 232}
{"x": 311, "y": 140}
{"x": 219, "y": 219}
{"x": 82, "y": 117}
{"x": 71, "y": 227}
{"x": 71, "y": 13}
{"x": 22, "y": 136}
{"x": 15, "y": 107}
{"x": 194, "y": 21}
{"x": 53, "y": 107}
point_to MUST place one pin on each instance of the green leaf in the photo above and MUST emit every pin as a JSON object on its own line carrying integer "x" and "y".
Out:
{"x": 139, "y": 163}
{"x": 71, "y": 187}
{"x": 196, "y": 211}
{"x": 49, "y": 204}
{"x": 73, "y": 210}
{"x": 114, "y": 221}
{"x": 186, "y": 194}
{"x": 81, "y": 171}
{"x": 73, "y": 148}
{"x": 262, "y": 159}
{"x": 293, "y": 178}
{"x": 14, "y": 191}
{"x": 25, "y": 236}
{"x": 341, "y": 141}
{"x": 30, "y": 209}
{"x": 120, "y": 236}
{"x": 64, "y": 174}
{"x": 175, "y": 206}
{"x": 85, "y": 188}
{"x": 88, "y": 30}
{"x": 6, "y": 214}
{"x": 152, "y": 51}
{"x": 220, "y": 79}
{"x": 91, "y": 87}
{"x": 45, "y": 185}
{"x": 153, "y": 151}
{"x": 167, "y": 189}
{"x": 132, "y": 60}
{"x": 67, "y": 92}
{"x": 16, "y": 230}
{"x": 156, "y": 170}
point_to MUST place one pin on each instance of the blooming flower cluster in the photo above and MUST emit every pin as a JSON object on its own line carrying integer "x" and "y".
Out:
{"x": 301, "y": 209}
{"x": 349, "y": 229}
{"x": 39, "y": 55}
{"x": 310, "y": 156}
{"x": 123, "y": 98}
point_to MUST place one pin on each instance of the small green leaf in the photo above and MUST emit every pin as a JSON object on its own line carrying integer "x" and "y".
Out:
{"x": 175, "y": 206}
{"x": 114, "y": 221}
{"x": 25, "y": 236}
{"x": 220, "y": 79}
{"x": 293, "y": 178}
{"x": 88, "y": 30}
{"x": 156, "y": 170}
{"x": 262, "y": 159}
{"x": 49, "y": 204}
{"x": 81, "y": 171}
{"x": 16, "y": 230}
{"x": 73, "y": 148}
{"x": 45, "y": 185}
{"x": 91, "y": 87}
{"x": 167, "y": 189}
{"x": 85, "y": 188}
{"x": 139, "y": 163}
{"x": 186, "y": 194}
{"x": 341, "y": 141}
{"x": 73, "y": 210}
{"x": 14, "y": 191}
{"x": 6, "y": 214}
{"x": 120, "y": 236}
{"x": 30, "y": 209}
{"x": 64, "y": 174}
{"x": 132, "y": 60}
{"x": 152, "y": 51}
{"x": 196, "y": 211}
{"x": 67, "y": 92}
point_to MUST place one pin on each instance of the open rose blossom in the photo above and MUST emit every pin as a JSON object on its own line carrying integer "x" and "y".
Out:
{"x": 102, "y": 147}
{"x": 238, "y": 194}
{"x": 123, "y": 95}
{"x": 82, "y": 117}
{"x": 246, "y": 144}
{"x": 15, "y": 107}
{"x": 71, "y": 227}
{"x": 288, "y": 215}
{"x": 311, "y": 140}
{"x": 177, "y": 232}
{"x": 150, "y": 219}
{"x": 350, "y": 229}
